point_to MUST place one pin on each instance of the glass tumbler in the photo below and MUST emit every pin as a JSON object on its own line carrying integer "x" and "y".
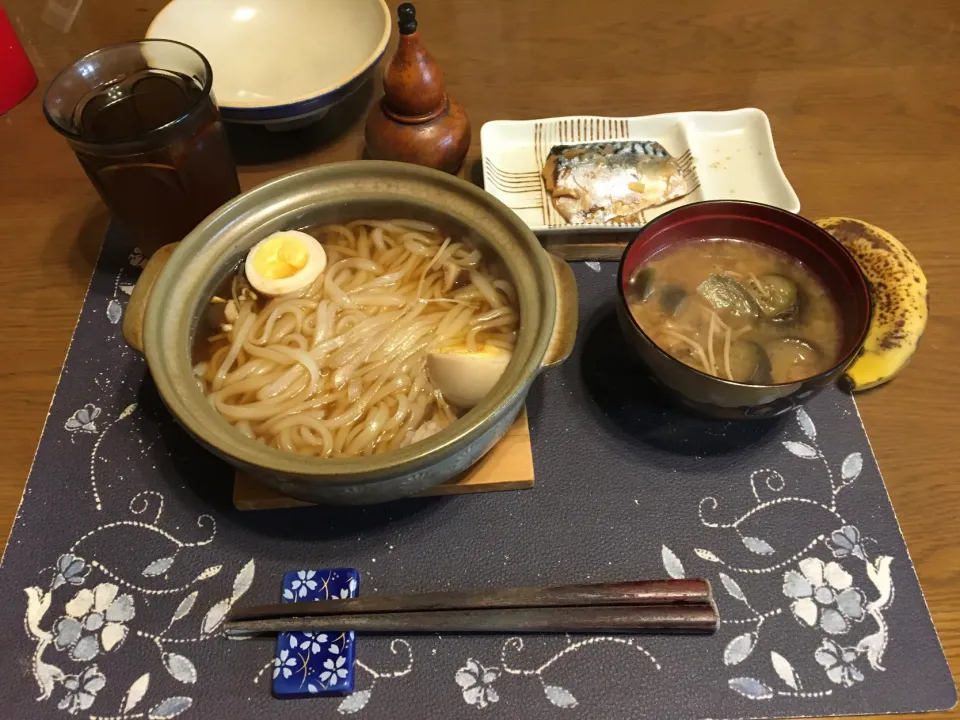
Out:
{"x": 144, "y": 125}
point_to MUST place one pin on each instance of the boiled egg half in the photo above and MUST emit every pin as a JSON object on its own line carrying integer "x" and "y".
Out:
{"x": 465, "y": 377}
{"x": 285, "y": 262}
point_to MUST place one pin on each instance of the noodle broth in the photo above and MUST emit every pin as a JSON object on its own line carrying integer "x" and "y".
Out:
{"x": 737, "y": 310}
{"x": 338, "y": 368}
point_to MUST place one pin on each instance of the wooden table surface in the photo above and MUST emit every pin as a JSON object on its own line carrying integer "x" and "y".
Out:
{"x": 863, "y": 97}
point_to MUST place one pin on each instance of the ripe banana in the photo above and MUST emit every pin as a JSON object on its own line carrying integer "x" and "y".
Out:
{"x": 898, "y": 288}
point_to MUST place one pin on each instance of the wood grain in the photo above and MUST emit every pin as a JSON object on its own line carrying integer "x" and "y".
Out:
{"x": 508, "y": 466}
{"x": 862, "y": 96}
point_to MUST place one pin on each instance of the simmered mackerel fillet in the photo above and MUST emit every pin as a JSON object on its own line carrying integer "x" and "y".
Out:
{"x": 604, "y": 181}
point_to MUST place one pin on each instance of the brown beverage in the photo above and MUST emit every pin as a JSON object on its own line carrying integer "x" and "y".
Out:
{"x": 151, "y": 142}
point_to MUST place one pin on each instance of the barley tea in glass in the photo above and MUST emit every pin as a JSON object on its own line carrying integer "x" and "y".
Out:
{"x": 144, "y": 125}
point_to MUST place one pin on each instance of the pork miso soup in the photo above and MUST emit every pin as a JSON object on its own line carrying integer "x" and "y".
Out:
{"x": 737, "y": 310}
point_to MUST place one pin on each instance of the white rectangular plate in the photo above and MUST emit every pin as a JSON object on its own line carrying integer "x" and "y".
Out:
{"x": 726, "y": 155}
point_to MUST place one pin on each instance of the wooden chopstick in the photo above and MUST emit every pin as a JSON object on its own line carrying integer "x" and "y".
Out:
{"x": 643, "y": 592}
{"x": 672, "y": 619}
{"x": 643, "y": 606}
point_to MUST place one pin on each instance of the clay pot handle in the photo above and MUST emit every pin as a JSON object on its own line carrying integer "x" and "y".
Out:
{"x": 137, "y": 305}
{"x": 565, "y": 324}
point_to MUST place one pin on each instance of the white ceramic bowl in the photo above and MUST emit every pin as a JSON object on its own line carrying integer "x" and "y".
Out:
{"x": 277, "y": 61}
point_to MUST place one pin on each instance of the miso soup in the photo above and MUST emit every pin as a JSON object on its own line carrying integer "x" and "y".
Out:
{"x": 737, "y": 310}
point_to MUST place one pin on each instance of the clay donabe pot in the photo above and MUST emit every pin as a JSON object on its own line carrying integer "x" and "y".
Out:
{"x": 177, "y": 284}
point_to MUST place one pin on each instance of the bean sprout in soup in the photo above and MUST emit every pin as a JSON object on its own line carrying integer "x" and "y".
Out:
{"x": 737, "y": 310}
{"x": 394, "y": 331}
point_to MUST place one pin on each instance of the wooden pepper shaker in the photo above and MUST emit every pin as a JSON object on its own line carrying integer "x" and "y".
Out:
{"x": 416, "y": 121}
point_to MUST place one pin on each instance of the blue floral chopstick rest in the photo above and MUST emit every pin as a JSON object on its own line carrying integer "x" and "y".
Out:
{"x": 315, "y": 663}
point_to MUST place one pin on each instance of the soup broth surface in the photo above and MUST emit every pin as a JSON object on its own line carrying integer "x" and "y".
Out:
{"x": 737, "y": 310}
{"x": 340, "y": 367}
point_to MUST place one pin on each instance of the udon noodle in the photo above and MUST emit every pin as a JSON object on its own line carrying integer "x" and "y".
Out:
{"x": 339, "y": 368}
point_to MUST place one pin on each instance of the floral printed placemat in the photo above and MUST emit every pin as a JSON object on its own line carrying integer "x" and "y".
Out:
{"x": 127, "y": 554}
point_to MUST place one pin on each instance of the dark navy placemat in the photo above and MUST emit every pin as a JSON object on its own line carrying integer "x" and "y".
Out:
{"x": 126, "y": 555}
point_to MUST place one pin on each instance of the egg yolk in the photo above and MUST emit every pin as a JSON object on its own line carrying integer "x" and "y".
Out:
{"x": 280, "y": 257}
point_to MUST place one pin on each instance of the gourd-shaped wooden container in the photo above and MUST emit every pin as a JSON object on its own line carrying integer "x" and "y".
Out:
{"x": 416, "y": 121}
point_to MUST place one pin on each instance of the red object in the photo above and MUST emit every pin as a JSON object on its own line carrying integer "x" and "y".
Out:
{"x": 17, "y": 78}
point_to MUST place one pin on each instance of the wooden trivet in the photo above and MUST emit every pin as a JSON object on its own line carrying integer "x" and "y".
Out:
{"x": 508, "y": 466}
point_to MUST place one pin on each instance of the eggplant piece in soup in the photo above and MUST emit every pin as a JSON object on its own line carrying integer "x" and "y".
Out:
{"x": 738, "y": 310}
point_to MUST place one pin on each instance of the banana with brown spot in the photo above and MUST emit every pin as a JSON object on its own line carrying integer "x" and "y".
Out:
{"x": 898, "y": 288}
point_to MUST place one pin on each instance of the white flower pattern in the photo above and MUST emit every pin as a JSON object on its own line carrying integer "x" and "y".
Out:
{"x": 97, "y": 620}
{"x": 70, "y": 569}
{"x": 313, "y": 641}
{"x": 823, "y": 593}
{"x": 824, "y": 596}
{"x": 94, "y": 620}
{"x": 846, "y": 541}
{"x": 333, "y": 670}
{"x": 284, "y": 664}
{"x": 839, "y": 663}
{"x": 476, "y": 681}
{"x": 304, "y": 583}
{"x": 81, "y": 690}
{"x": 83, "y": 419}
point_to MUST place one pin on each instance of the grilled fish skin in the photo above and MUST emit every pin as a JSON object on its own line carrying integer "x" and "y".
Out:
{"x": 615, "y": 180}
